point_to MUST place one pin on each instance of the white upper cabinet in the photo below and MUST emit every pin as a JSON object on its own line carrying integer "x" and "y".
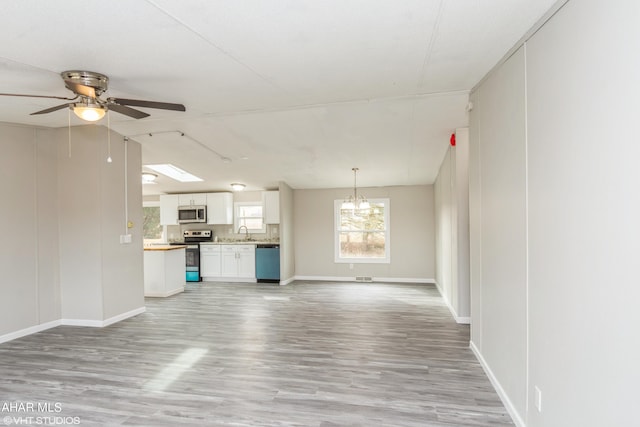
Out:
{"x": 193, "y": 199}
{"x": 169, "y": 209}
{"x": 219, "y": 208}
{"x": 271, "y": 203}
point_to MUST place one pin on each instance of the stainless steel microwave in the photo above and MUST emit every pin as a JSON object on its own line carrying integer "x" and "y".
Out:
{"x": 192, "y": 213}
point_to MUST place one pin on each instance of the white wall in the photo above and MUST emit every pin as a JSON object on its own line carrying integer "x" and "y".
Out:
{"x": 451, "y": 191}
{"x": 554, "y": 219}
{"x": 584, "y": 208}
{"x": 499, "y": 145}
{"x": 29, "y": 283}
{"x": 412, "y": 234}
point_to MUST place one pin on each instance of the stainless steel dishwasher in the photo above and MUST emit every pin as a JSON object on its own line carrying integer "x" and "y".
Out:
{"x": 268, "y": 262}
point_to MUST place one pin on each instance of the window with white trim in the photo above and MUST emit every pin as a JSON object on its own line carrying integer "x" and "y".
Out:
{"x": 250, "y": 215}
{"x": 362, "y": 235}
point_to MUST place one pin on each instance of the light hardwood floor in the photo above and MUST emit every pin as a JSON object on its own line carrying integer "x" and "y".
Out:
{"x": 306, "y": 354}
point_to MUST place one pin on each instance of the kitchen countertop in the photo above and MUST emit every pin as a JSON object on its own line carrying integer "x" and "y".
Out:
{"x": 239, "y": 242}
{"x": 243, "y": 242}
{"x": 163, "y": 247}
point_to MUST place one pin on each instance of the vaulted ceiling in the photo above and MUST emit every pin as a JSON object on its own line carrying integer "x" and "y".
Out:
{"x": 298, "y": 91}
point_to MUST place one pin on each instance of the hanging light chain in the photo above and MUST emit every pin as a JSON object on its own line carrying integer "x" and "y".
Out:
{"x": 109, "y": 160}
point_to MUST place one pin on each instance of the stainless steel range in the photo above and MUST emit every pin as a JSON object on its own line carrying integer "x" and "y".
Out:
{"x": 192, "y": 239}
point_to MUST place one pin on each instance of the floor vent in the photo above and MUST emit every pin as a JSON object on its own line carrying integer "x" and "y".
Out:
{"x": 364, "y": 279}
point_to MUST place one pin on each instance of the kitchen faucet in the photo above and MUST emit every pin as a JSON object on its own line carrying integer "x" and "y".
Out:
{"x": 246, "y": 232}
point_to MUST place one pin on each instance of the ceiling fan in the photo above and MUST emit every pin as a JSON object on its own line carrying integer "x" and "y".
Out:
{"x": 88, "y": 86}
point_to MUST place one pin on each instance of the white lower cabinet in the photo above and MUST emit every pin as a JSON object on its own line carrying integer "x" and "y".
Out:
{"x": 228, "y": 262}
{"x": 210, "y": 257}
{"x": 239, "y": 261}
{"x": 247, "y": 261}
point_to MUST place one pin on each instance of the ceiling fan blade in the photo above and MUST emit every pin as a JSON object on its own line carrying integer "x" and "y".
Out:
{"x": 50, "y": 110}
{"x": 37, "y": 96}
{"x": 122, "y": 109}
{"x": 81, "y": 89}
{"x": 148, "y": 104}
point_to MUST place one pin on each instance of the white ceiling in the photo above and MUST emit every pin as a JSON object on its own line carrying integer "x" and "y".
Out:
{"x": 298, "y": 91}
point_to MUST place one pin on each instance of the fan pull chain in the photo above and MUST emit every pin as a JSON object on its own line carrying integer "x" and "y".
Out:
{"x": 109, "y": 160}
{"x": 69, "y": 122}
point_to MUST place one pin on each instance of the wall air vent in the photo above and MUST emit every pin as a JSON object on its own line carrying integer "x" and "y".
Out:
{"x": 364, "y": 279}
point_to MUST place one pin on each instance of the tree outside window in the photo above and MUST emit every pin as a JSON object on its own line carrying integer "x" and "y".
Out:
{"x": 362, "y": 235}
{"x": 151, "y": 228}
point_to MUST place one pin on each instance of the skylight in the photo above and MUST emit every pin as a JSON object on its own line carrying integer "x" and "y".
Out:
{"x": 174, "y": 172}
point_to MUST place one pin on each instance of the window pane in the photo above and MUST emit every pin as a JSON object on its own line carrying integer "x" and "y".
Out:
{"x": 151, "y": 227}
{"x": 363, "y": 219}
{"x": 251, "y": 223}
{"x": 254, "y": 211}
{"x": 249, "y": 214}
{"x": 359, "y": 244}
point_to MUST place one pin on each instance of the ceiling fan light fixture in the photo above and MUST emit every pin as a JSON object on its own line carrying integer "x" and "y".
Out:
{"x": 90, "y": 112}
{"x": 237, "y": 186}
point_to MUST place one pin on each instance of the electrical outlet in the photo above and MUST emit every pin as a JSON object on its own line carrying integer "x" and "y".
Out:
{"x": 350, "y": 266}
{"x": 537, "y": 397}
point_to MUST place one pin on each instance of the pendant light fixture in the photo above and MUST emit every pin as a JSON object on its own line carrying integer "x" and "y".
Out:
{"x": 355, "y": 201}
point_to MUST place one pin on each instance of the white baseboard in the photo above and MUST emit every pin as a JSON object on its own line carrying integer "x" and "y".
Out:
{"x": 163, "y": 294}
{"x": 286, "y": 282}
{"x": 463, "y": 320}
{"x": 230, "y": 279}
{"x": 404, "y": 280}
{"x": 82, "y": 322}
{"x": 70, "y": 322}
{"x": 373, "y": 279}
{"x": 123, "y": 316}
{"x": 325, "y": 278}
{"x": 459, "y": 319}
{"x": 28, "y": 331}
{"x": 517, "y": 420}
{"x": 103, "y": 323}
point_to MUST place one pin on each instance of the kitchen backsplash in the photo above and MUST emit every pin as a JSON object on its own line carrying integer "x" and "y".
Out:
{"x": 222, "y": 232}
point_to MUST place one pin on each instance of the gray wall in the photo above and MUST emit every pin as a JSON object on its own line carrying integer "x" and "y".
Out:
{"x": 443, "y": 199}
{"x": 60, "y": 220}
{"x": 287, "y": 253}
{"x": 29, "y": 287}
{"x": 412, "y": 234}
{"x": 100, "y": 277}
{"x": 554, "y": 219}
{"x": 451, "y": 192}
